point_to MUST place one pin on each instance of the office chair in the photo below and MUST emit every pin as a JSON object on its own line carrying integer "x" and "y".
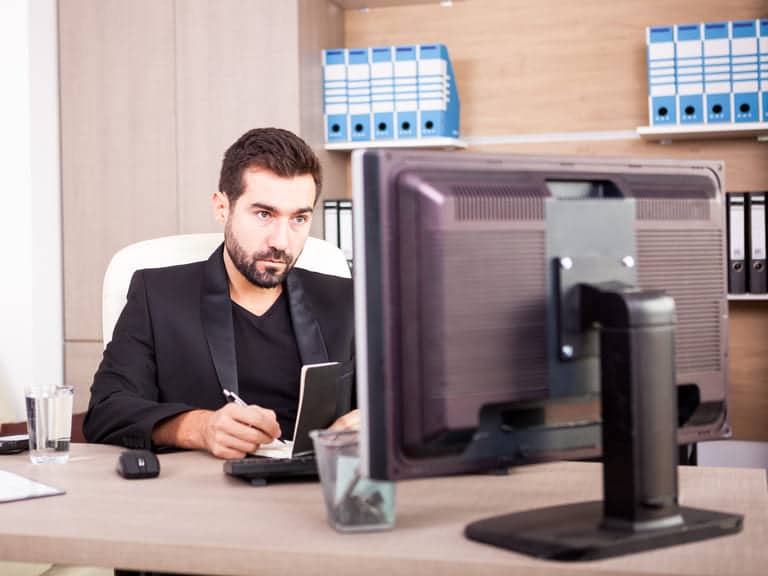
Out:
{"x": 318, "y": 256}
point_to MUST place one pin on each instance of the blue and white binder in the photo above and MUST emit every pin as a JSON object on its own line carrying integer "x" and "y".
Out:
{"x": 763, "y": 63}
{"x": 382, "y": 93}
{"x": 438, "y": 97}
{"x": 359, "y": 94}
{"x": 745, "y": 71}
{"x": 689, "y": 67}
{"x": 717, "y": 72}
{"x": 335, "y": 111}
{"x": 406, "y": 92}
{"x": 389, "y": 93}
{"x": 662, "y": 106}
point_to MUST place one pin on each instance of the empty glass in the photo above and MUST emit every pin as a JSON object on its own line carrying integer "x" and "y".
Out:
{"x": 353, "y": 503}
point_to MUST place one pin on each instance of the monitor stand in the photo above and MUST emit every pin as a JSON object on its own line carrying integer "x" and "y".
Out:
{"x": 639, "y": 510}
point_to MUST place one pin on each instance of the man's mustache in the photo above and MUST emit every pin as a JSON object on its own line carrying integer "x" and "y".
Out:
{"x": 274, "y": 254}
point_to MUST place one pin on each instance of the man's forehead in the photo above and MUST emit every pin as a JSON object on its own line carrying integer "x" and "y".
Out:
{"x": 262, "y": 186}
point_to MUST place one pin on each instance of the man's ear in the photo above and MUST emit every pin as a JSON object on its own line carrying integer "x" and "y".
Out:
{"x": 220, "y": 203}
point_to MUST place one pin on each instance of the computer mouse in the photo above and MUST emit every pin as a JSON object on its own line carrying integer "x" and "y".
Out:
{"x": 138, "y": 464}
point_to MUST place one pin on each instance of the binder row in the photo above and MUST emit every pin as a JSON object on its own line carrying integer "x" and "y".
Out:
{"x": 337, "y": 225}
{"x": 389, "y": 93}
{"x": 746, "y": 243}
{"x": 713, "y": 73}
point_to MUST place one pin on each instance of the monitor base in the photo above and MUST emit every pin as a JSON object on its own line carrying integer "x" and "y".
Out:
{"x": 575, "y": 532}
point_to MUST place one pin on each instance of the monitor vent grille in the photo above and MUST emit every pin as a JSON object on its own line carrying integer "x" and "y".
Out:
{"x": 680, "y": 186}
{"x": 492, "y": 203}
{"x": 697, "y": 283}
{"x": 492, "y": 329}
{"x": 652, "y": 209}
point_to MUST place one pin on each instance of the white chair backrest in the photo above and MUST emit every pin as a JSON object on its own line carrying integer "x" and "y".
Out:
{"x": 318, "y": 256}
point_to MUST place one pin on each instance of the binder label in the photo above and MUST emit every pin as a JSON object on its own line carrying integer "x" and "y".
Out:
{"x": 757, "y": 225}
{"x": 737, "y": 229}
{"x": 661, "y": 51}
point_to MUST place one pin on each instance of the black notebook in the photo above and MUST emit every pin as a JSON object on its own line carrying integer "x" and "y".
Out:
{"x": 325, "y": 393}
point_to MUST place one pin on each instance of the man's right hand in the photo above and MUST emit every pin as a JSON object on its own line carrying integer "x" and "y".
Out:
{"x": 232, "y": 431}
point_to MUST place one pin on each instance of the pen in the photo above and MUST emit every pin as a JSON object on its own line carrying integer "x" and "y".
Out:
{"x": 232, "y": 397}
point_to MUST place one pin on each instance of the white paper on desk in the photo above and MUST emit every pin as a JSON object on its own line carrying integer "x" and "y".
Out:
{"x": 15, "y": 487}
{"x": 275, "y": 449}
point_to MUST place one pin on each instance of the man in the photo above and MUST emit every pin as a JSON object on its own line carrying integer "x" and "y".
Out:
{"x": 244, "y": 320}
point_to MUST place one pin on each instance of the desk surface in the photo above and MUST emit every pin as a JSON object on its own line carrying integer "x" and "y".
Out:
{"x": 195, "y": 519}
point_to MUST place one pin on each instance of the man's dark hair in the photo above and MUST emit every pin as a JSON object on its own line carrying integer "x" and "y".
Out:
{"x": 274, "y": 149}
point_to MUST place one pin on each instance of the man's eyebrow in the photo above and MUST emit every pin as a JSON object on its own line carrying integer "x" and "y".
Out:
{"x": 262, "y": 206}
{"x": 268, "y": 208}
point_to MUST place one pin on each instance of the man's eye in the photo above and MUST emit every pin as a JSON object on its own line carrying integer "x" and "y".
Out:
{"x": 262, "y": 214}
{"x": 300, "y": 219}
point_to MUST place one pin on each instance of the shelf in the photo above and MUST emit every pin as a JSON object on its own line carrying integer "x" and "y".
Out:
{"x": 747, "y": 297}
{"x": 663, "y": 134}
{"x": 367, "y": 4}
{"x": 444, "y": 143}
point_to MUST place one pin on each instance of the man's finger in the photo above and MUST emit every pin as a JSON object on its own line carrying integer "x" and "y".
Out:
{"x": 246, "y": 433}
{"x": 255, "y": 417}
{"x": 349, "y": 421}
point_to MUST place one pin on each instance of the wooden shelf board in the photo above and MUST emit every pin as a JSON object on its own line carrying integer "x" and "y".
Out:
{"x": 747, "y": 297}
{"x": 449, "y": 143}
{"x": 363, "y": 4}
{"x": 757, "y": 130}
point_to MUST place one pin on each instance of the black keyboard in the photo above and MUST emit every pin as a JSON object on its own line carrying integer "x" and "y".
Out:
{"x": 261, "y": 470}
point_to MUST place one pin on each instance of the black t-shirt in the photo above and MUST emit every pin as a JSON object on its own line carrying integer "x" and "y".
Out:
{"x": 268, "y": 362}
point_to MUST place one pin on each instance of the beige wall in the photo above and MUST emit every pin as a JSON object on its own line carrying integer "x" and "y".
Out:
{"x": 152, "y": 93}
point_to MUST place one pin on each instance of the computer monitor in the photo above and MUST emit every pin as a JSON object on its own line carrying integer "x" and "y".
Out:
{"x": 515, "y": 309}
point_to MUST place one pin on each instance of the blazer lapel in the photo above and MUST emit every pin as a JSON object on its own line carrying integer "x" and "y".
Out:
{"x": 309, "y": 339}
{"x": 216, "y": 308}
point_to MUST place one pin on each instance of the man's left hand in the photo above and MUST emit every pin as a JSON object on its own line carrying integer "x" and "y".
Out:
{"x": 350, "y": 421}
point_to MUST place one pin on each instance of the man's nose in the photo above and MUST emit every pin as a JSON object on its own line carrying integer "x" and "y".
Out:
{"x": 279, "y": 237}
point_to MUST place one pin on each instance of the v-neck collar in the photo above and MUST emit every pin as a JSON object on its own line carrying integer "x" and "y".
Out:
{"x": 216, "y": 310}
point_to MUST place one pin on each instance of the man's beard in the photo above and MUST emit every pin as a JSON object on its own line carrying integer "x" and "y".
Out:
{"x": 247, "y": 265}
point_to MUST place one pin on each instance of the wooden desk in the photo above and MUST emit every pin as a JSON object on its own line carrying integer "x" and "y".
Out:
{"x": 195, "y": 519}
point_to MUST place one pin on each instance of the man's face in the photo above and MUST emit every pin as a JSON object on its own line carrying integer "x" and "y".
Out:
{"x": 267, "y": 226}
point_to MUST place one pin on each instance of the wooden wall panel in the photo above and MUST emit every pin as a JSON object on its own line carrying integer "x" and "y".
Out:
{"x": 152, "y": 93}
{"x": 547, "y": 65}
{"x": 321, "y": 25}
{"x": 237, "y": 68}
{"x": 746, "y": 161}
{"x": 82, "y": 361}
{"x": 551, "y": 67}
{"x": 117, "y": 139}
{"x": 748, "y": 363}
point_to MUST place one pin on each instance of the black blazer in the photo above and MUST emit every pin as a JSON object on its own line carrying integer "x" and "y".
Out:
{"x": 173, "y": 348}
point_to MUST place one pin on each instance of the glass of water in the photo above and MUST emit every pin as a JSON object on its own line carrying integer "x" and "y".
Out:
{"x": 49, "y": 423}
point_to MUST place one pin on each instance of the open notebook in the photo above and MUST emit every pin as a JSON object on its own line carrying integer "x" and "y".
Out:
{"x": 325, "y": 393}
